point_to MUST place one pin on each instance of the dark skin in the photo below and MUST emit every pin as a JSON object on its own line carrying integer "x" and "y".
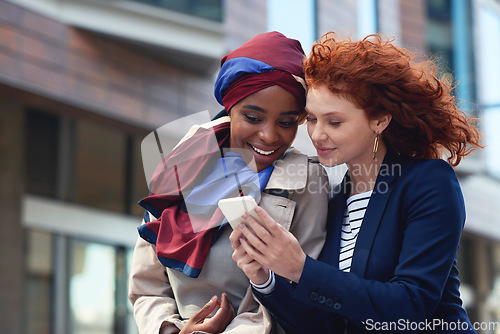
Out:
{"x": 267, "y": 121}
{"x": 224, "y": 315}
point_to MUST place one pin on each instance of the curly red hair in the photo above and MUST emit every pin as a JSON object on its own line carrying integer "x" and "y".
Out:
{"x": 382, "y": 78}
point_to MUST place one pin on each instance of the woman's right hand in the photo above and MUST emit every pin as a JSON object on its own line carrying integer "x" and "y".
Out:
{"x": 256, "y": 272}
{"x": 217, "y": 323}
{"x": 271, "y": 246}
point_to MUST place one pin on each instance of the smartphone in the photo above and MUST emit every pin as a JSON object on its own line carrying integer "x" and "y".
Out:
{"x": 233, "y": 208}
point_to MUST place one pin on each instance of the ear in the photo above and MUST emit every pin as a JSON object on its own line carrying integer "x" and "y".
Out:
{"x": 380, "y": 123}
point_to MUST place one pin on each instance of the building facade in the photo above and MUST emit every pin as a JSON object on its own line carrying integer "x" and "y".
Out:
{"x": 82, "y": 82}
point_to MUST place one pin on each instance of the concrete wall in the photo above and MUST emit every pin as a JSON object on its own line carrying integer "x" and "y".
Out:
{"x": 98, "y": 74}
{"x": 11, "y": 232}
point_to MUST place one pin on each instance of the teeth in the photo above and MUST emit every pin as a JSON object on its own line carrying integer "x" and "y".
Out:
{"x": 262, "y": 152}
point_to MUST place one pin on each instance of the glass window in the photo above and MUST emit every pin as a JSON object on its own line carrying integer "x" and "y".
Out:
{"x": 207, "y": 9}
{"x": 137, "y": 179}
{"x": 488, "y": 49}
{"x": 100, "y": 167}
{"x": 463, "y": 56}
{"x": 103, "y": 167}
{"x": 38, "y": 283}
{"x": 493, "y": 300}
{"x": 284, "y": 16}
{"x": 42, "y": 138}
{"x": 489, "y": 126}
{"x": 449, "y": 36}
{"x": 440, "y": 33}
{"x": 131, "y": 325}
{"x": 92, "y": 288}
{"x": 367, "y": 18}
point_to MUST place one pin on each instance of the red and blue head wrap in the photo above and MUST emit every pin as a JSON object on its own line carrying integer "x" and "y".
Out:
{"x": 187, "y": 218}
{"x": 266, "y": 60}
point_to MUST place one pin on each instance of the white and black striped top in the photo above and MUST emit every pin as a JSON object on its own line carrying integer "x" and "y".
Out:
{"x": 353, "y": 218}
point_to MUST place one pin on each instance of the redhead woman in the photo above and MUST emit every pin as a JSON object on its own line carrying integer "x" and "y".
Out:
{"x": 183, "y": 278}
{"x": 389, "y": 263}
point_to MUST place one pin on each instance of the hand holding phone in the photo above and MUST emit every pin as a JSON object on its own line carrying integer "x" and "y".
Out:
{"x": 233, "y": 208}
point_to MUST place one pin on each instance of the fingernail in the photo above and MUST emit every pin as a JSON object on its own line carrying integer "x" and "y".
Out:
{"x": 241, "y": 226}
{"x": 245, "y": 215}
{"x": 213, "y": 299}
{"x": 258, "y": 209}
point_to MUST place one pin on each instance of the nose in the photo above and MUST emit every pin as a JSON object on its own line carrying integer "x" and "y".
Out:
{"x": 268, "y": 134}
{"x": 316, "y": 131}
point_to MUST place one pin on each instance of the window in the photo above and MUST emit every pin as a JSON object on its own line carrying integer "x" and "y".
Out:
{"x": 207, "y": 9}
{"x": 92, "y": 287}
{"x": 83, "y": 162}
{"x": 42, "y": 143}
{"x": 39, "y": 271}
{"x": 98, "y": 289}
{"x": 488, "y": 49}
{"x": 449, "y": 36}
{"x": 367, "y": 17}
{"x": 493, "y": 299}
{"x": 75, "y": 277}
{"x": 130, "y": 321}
{"x": 283, "y": 16}
{"x": 76, "y": 286}
{"x": 109, "y": 173}
{"x": 439, "y": 32}
{"x": 100, "y": 167}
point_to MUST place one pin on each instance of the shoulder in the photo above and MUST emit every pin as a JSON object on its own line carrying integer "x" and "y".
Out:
{"x": 293, "y": 155}
{"x": 306, "y": 164}
{"x": 205, "y": 126}
{"x": 414, "y": 179}
{"x": 429, "y": 169}
{"x": 296, "y": 171}
{"x": 214, "y": 123}
{"x": 431, "y": 180}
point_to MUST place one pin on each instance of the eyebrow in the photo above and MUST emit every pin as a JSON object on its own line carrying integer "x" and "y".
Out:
{"x": 262, "y": 110}
{"x": 333, "y": 112}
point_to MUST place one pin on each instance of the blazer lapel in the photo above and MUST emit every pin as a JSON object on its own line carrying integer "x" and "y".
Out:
{"x": 388, "y": 173}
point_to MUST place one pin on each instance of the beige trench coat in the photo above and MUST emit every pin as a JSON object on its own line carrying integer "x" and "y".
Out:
{"x": 303, "y": 212}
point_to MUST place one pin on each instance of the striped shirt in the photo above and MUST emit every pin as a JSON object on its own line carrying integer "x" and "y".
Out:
{"x": 353, "y": 218}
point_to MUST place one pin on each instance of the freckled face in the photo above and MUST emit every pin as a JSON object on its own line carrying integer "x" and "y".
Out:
{"x": 265, "y": 124}
{"x": 340, "y": 131}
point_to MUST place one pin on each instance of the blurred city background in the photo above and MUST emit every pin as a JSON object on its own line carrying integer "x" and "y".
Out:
{"x": 82, "y": 82}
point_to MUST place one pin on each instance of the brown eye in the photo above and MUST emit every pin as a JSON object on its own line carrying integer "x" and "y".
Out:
{"x": 288, "y": 124}
{"x": 251, "y": 118}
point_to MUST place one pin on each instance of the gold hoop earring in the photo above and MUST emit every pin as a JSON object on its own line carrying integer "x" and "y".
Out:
{"x": 375, "y": 145}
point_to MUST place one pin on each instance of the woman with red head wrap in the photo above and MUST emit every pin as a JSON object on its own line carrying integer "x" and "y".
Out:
{"x": 183, "y": 256}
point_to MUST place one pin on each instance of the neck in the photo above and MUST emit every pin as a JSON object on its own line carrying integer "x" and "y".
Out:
{"x": 364, "y": 175}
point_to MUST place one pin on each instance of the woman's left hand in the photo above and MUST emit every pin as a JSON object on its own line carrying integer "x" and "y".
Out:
{"x": 272, "y": 246}
{"x": 218, "y": 323}
{"x": 257, "y": 273}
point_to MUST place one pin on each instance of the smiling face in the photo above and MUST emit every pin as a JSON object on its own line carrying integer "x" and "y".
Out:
{"x": 265, "y": 124}
{"x": 340, "y": 131}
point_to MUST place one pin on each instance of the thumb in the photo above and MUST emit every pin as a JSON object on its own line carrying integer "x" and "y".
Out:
{"x": 205, "y": 310}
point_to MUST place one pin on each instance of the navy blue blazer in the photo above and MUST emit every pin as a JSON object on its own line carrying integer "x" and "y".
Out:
{"x": 403, "y": 276}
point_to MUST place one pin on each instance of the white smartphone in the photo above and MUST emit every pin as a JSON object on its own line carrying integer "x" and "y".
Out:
{"x": 233, "y": 208}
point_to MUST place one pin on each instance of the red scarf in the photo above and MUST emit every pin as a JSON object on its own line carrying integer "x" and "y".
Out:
{"x": 177, "y": 245}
